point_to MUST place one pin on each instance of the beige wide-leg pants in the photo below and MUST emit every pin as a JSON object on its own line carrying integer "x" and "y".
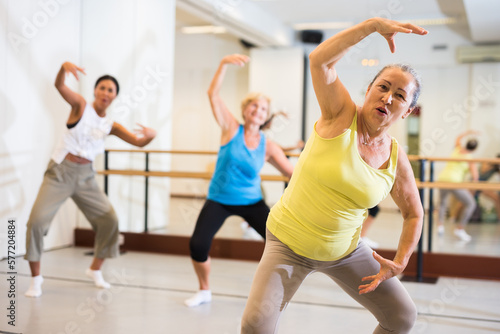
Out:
{"x": 70, "y": 179}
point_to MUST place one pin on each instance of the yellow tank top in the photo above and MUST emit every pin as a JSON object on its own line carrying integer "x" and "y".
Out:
{"x": 320, "y": 214}
{"x": 455, "y": 171}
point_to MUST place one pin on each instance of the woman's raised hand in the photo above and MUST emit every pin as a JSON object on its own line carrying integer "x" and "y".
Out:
{"x": 72, "y": 68}
{"x": 389, "y": 28}
{"x": 236, "y": 59}
{"x": 144, "y": 131}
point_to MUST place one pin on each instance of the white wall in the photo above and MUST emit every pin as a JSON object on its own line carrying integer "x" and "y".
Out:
{"x": 135, "y": 44}
{"x": 128, "y": 39}
{"x": 279, "y": 74}
{"x": 197, "y": 57}
{"x": 34, "y": 41}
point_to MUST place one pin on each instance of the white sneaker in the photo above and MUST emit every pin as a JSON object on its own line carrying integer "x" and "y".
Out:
{"x": 440, "y": 229}
{"x": 244, "y": 226}
{"x": 96, "y": 276}
{"x": 201, "y": 297}
{"x": 249, "y": 232}
{"x": 35, "y": 289}
{"x": 252, "y": 234}
{"x": 372, "y": 244}
{"x": 462, "y": 235}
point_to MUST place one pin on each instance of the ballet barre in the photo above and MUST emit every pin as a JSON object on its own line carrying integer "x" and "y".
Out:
{"x": 493, "y": 161}
{"x": 480, "y": 185}
{"x": 422, "y": 184}
{"x": 191, "y": 175}
{"x": 431, "y": 184}
{"x": 172, "y": 174}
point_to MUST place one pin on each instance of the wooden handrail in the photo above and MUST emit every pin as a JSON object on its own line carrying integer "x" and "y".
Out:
{"x": 478, "y": 160}
{"x": 179, "y": 152}
{"x": 208, "y": 175}
{"x": 163, "y": 151}
{"x": 459, "y": 185}
{"x": 288, "y": 153}
{"x": 177, "y": 174}
{"x": 267, "y": 177}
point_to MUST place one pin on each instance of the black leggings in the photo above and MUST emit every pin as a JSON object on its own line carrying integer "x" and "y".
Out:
{"x": 213, "y": 215}
{"x": 373, "y": 211}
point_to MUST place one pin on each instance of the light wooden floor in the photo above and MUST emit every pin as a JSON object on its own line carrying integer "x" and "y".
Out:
{"x": 149, "y": 289}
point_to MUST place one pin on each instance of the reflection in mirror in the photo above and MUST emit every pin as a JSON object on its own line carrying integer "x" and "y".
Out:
{"x": 197, "y": 55}
{"x": 198, "y": 51}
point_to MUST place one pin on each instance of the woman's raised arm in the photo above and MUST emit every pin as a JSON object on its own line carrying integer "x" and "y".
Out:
{"x": 223, "y": 116}
{"x": 73, "y": 98}
{"x": 332, "y": 96}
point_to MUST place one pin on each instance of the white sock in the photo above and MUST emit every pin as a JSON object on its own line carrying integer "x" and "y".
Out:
{"x": 99, "y": 281}
{"x": 35, "y": 289}
{"x": 201, "y": 297}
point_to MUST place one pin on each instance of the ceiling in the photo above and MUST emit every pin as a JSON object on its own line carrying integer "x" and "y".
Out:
{"x": 298, "y": 11}
{"x": 268, "y": 22}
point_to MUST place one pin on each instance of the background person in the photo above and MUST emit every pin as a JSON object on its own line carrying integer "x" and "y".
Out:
{"x": 486, "y": 172}
{"x": 456, "y": 171}
{"x": 235, "y": 185}
{"x": 70, "y": 174}
{"x": 248, "y": 231}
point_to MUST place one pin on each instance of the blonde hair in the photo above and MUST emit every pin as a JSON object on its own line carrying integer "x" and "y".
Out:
{"x": 253, "y": 97}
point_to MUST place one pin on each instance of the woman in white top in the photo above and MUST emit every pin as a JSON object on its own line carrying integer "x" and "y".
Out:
{"x": 70, "y": 174}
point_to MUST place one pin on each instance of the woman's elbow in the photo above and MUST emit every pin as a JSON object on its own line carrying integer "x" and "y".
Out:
{"x": 415, "y": 215}
{"x": 419, "y": 217}
{"x": 141, "y": 142}
{"x": 211, "y": 94}
{"x": 313, "y": 58}
{"x": 287, "y": 171}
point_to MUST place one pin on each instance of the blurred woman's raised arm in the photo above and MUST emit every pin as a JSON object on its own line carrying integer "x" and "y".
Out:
{"x": 73, "y": 98}
{"x": 223, "y": 116}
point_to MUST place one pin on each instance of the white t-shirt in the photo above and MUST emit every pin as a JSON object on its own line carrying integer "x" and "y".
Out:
{"x": 86, "y": 138}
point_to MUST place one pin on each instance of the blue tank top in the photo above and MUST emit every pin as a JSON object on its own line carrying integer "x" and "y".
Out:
{"x": 236, "y": 179}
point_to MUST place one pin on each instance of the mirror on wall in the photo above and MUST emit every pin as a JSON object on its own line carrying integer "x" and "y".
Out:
{"x": 197, "y": 56}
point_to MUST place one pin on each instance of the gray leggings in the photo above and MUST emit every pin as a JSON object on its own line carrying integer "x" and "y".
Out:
{"x": 69, "y": 179}
{"x": 463, "y": 196}
{"x": 281, "y": 272}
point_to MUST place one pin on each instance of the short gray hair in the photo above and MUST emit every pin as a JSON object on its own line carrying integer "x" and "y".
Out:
{"x": 408, "y": 69}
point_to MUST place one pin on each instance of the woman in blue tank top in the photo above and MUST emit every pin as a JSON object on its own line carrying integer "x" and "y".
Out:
{"x": 235, "y": 186}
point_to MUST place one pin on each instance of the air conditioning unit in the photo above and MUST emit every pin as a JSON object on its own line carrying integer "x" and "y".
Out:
{"x": 478, "y": 53}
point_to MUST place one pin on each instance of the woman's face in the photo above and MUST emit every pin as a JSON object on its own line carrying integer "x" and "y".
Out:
{"x": 104, "y": 93}
{"x": 256, "y": 111}
{"x": 389, "y": 97}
